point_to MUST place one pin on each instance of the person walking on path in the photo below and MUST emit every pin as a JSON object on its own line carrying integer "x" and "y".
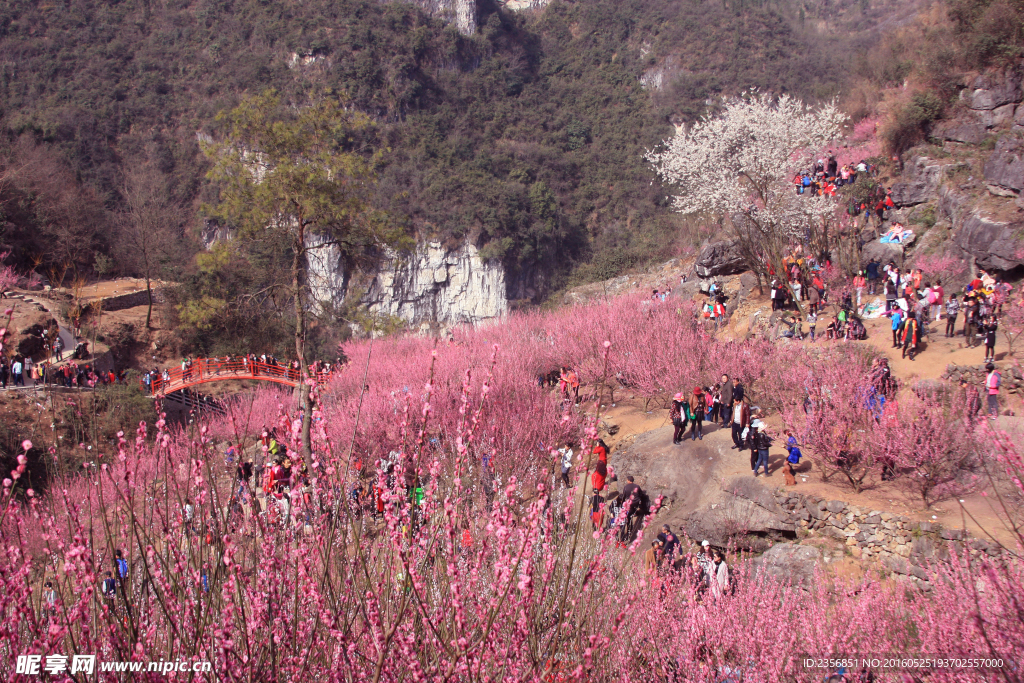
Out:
{"x": 992, "y": 382}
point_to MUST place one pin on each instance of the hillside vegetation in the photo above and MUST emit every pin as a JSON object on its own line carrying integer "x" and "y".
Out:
{"x": 526, "y": 138}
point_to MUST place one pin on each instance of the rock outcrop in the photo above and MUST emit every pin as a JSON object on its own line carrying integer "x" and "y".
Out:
{"x": 989, "y": 92}
{"x": 461, "y": 13}
{"x": 993, "y": 244}
{"x": 431, "y": 286}
{"x": 790, "y": 563}
{"x": 439, "y": 286}
{"x": 738, "y": 511}
{"x": 1005, "y": 168}
{"x": 923, "y": 177}
{"x": 968, "y": 132}
{"x": 743, "y": 512}
{"x": 720, "y": 258}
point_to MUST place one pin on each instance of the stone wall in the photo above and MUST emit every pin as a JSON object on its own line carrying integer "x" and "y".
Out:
{"x": 976, "y": 374}
{"x": 130, "y": 300}
{"x": 905, "y": 547}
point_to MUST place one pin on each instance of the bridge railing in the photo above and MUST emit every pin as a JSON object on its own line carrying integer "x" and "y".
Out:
{"x": 211, "y": 369}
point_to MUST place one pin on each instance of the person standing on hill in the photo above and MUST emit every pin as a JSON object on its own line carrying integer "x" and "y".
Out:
{"x": 936, "y": 300}
{"x": 740, "y": 420}
{"x": 762, "y": 442}
{"x": 721, "y": 583}
{"x": 676, "y": 414}
{"x": 910, "y": 330}
{"x": 792, "y": 459}
{"x": 992, "y": 383}
{"x": 872, "y": 269}
{"x": 737, "y": 391}
{"x": 565, "y": 457}
{"x": 897, "y": 321}
{"x": 630, "y": 497}
{"x": 890, "y": 297}
{"x": 972, "y": 402}
{"x": 989, "y": 328}
{"x": 859, "y": 283}
{"x": 971, "y": 307}
{"x": 698, "y": 409}
{"x": 727, "y": 401}
{"x": 952, "y": 308}
{"x": 716, "y": 404}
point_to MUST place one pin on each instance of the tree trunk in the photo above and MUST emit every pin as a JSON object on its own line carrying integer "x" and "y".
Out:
{"x": 149, "y": 310}
{"x": 304, "y": 402}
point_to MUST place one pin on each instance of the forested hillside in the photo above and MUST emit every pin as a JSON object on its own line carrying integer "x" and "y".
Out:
{"x": 526, "y": 138}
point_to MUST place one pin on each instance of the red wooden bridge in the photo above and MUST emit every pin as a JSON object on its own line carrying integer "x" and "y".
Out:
{"x": 203, "y": 370}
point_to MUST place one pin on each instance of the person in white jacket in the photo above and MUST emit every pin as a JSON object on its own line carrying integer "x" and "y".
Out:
{"x": 720, "y": 585}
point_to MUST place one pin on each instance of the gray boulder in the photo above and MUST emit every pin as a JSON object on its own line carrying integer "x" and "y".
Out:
{"x": 743, "y": 512}
{"x": 883, "y": 253}
{"x": 720, "y": 258}
{"x": 790, "y": 563}
{"x": 1005, "y": 168}
{"x": 993, "y": 244}
{"x": 969, "y": 132}
{"x": 990, "y": 118}
{"x": 924, "y": 176}
{"x": 989, "y": 91}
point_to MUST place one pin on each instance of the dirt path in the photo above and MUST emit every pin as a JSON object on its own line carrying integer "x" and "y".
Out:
{"x": 633, "y": 421}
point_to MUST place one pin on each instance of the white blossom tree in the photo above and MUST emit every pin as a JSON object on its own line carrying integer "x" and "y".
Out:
{"x": 740, "y": 166}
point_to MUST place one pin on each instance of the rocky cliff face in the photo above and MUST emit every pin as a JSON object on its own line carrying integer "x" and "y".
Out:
{"x": 462, "y": 13}
{"x": 433, "y": 286}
